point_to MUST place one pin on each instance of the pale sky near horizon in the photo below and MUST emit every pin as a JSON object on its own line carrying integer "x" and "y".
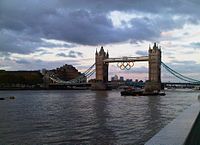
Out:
{"x": 50, "y": 33}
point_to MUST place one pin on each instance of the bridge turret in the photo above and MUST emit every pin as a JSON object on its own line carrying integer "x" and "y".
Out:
{"x": 154, "y": 83}
{"x": 101, "y": 67}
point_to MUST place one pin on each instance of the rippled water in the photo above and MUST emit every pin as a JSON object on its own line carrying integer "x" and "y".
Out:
{"x": 87, "y": 117}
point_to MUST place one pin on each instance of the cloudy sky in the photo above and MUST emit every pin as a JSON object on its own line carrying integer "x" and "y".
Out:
{"x": 36, "y": 34}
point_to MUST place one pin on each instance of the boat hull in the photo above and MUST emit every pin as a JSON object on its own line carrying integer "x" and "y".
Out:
{"x": 133, "y": 93}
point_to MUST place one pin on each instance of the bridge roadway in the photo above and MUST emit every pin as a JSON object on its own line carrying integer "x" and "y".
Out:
{"x": 126, "y": 59}
{"x": 180, "y": 84}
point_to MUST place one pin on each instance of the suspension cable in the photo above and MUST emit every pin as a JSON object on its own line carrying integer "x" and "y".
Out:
{"x": 88, "y": 70}
{"x": 178, "y": 75}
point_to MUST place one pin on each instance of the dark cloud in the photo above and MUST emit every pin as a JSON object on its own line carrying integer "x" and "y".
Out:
{"x": 34, "y": 64}
{"x": 171, "y": 57}
{"x": 20, "y": 42}
{"x": 71, "y": 53}
{"x": 143, "y": 53}
{"x": 186, "y": 33}
{"x": 156, "y": 6}
{"x": 24, "y": 23}
{"x": 186, "y": 62}
{"x": 23, "y": 61}
{"x": 62, "y": 55}
{"x": 195, "y": 44}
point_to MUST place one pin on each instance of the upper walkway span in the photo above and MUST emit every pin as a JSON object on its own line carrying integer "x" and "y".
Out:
{"x": 126, "y": 59}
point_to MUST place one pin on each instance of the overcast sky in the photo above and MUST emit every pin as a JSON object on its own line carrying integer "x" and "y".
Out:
{"x": 36, "y": 34}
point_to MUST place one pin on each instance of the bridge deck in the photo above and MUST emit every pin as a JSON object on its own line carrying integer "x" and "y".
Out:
{"x": 126, "y": 59}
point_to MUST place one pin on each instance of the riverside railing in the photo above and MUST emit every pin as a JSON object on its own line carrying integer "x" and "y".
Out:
{"x": 178, "y": 132}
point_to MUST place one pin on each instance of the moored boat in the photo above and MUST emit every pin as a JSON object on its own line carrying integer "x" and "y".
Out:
{"x": 140, "y": 92}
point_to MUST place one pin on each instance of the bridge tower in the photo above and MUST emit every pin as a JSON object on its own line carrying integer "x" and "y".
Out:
{"x": 154, "y": 83}
{"x": 101, "y": 70}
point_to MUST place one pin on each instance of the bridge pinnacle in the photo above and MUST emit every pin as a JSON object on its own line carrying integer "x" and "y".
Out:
{"x": 102, "y": 52}
{"x": 96, "y": 52}
{"x": 107, "y": 54}
{"x": 154, "y": 46}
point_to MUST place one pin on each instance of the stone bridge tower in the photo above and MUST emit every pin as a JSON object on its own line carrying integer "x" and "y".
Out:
{"x": 101, "y": 67}
{"x": 101, "y": 70}
{"x": 154, "y": 83}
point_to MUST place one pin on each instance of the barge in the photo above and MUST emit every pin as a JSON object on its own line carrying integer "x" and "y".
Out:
{"x": 140, "y": 92}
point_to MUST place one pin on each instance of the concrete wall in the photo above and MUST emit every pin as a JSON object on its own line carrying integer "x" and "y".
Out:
{"x": 177, "y": 132}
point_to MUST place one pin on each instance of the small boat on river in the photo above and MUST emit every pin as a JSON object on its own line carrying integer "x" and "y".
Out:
{"x": 140, "y": 92}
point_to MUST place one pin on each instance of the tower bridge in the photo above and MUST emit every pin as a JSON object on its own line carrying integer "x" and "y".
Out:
{"x": 102, "y": 61}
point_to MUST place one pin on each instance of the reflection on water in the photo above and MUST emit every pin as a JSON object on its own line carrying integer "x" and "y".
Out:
{"x": 153, "y": 115}
{"x": 87, "y": 117}
{"x": 102, "y": 133}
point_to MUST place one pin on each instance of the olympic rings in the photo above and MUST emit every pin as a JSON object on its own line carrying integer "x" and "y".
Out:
{"x": 125, "y": 65}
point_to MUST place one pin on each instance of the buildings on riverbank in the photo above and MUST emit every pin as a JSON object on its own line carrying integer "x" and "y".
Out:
{"x": 20, "y": 79}
{"x": 35, "y": 79}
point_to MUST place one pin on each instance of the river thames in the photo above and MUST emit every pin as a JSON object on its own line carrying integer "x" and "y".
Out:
{"x": 87, "y": 117}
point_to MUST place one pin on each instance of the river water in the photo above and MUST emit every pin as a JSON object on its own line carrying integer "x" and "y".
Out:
{"x": 87, "y": 117}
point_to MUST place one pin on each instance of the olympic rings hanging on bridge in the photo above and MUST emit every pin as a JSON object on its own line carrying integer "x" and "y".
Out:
{"x": 125, "y": 65}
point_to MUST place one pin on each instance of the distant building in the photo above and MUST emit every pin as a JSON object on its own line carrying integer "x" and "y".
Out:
{"x": 22, "y": 79}
{"x": 121, "y": 78}
{"x": 114, "y": 78}
{"x": 141, "y": 81}
{"x": 67, "y": 72}
{"x": 129, "y": 80}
